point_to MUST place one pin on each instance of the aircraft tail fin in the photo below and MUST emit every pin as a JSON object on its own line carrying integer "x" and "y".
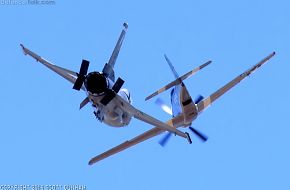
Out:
{"x": 171, "y": 67}
{"x": 108, "y": 69}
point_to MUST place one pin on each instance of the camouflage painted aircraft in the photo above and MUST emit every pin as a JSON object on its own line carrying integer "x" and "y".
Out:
{"x": 184, "y": 110}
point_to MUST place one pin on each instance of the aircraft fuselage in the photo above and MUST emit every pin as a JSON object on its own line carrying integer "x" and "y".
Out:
{"x": 112, "y": 114}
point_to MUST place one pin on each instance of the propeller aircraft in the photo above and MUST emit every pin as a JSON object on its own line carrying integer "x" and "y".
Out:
{"x": 111, "y": 102}
{"x": 184, "y": 111}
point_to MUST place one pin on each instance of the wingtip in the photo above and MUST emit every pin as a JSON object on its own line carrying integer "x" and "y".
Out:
{"x": 23, "y": 49}
{"x": 205, "y": 64}
{"x": 92, "y": 162}
{"x": 209, "y": 62}
{"x": 149, "y": 97}
{"x": 125, "y": 24}
{"x": 272, "y": 55}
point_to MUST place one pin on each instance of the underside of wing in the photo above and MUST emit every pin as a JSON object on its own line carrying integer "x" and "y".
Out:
{"x": 209, "y": 100}
{"x": 149, "y": 119}
{"x": 71, "y": 76}
{"x": 127, "y": 144}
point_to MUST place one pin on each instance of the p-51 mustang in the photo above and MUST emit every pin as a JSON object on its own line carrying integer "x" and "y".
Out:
{"x": 111, "y": 103}
{"x": 184, "y": 110}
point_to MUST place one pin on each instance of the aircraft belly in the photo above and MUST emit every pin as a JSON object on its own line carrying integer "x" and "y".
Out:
{"x": 112, "y": 114}
{"x": 190, "y": 112}
{"x": 116, "y": 118}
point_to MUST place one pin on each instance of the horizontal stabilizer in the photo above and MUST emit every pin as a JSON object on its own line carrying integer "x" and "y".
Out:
{"x": 178, "y": 80}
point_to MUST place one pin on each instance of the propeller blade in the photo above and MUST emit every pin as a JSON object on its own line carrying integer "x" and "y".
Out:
{"x": 163, "y": 106}
{"x": 118, "y": 85}
{"x": 165, "y": 139}
{"x": 110, "y": 94}
{"x": 81, "y": 75}
{"x": 84, "y": 67}
{"x": 198, "y": 99}
{"x": 199, "y": 134}
{"x": 79, "y": 82}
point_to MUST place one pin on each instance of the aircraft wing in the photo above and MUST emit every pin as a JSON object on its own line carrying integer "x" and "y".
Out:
{"x": 178, "y": 80}
{"x": 209, "y": 100}
{"x": 156, "y": 131}
{"x": 149, "y": 119}
{"x": 159, "y": 128}
{"x": 65, "y": 73}
{"x": 108, "y": 69}
{"x": 127, "y": 144}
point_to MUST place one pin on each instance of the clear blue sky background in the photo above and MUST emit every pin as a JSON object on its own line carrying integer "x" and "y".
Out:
{"x": 45, "y": 139}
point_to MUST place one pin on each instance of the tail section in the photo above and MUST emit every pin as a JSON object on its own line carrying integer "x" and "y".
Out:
{"x": 108, "y": 69}
{"x": 183, "y": 108}
{"x": 180, "y": 98}
{"x": 171, "y": 67}
{"x": 178, "y": 80}
{"x": 175, "y": 100}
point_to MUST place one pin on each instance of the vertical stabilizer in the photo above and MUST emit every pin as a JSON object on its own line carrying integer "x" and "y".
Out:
{"x": 171, "y": 67}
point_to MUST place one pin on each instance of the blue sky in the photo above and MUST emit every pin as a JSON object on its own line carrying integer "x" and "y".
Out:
{"x": 45, "y": 139}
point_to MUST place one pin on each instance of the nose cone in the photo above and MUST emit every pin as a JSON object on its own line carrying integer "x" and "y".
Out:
{"x": 96, "y": 83}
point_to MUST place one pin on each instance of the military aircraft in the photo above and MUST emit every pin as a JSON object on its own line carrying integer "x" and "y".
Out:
{"x": 184, "y": 109}
{"x": 111, "y": 102}
{"x": 182, "y": 105}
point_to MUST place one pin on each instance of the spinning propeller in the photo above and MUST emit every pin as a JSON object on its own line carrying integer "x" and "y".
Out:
{"x": 168, "y": 110}
{"x": 96, "y": 82}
